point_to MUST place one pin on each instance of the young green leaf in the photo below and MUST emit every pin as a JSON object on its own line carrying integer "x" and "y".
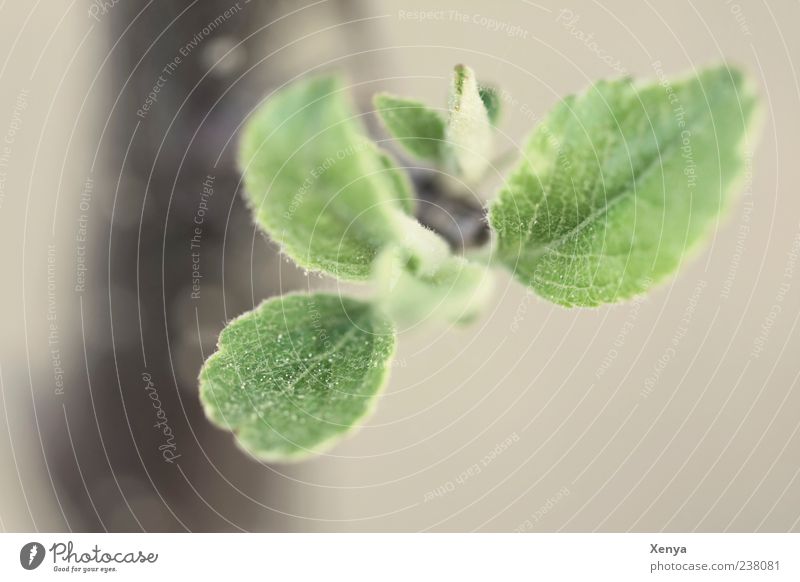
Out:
{"x": 297, "y": 373}
{"x": 468, "y": 131}
{"x": 402, "y": 189}
{"x": 619, "y": 182}
{"x": 491, "y": 101}
{"x": 417, "y": 128}
{"x": 316, "y": 184}
{"x": 457, "y": 291}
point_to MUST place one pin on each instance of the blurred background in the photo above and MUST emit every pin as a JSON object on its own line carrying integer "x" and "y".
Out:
{"x": 676, "y": 412}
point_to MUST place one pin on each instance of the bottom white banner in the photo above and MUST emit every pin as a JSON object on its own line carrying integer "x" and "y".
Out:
{"x": 356, "y": 557}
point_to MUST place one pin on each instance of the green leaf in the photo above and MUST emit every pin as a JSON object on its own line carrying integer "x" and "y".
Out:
{"x": 316, "y": 184}
{"x": 402, "y": 188}
{"x": 457, "y": 291}
{"x": 618, "y": 183}
{"x": 416, "y": 127}
{"x": 468, "y": 131}
{"x": 491, "y": 101}
{"x": 297, "y": 373}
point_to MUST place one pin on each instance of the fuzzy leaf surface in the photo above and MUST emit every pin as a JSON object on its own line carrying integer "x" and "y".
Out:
{"x": 416, "y": 127}
{"x": 457, "y": 291}
{"x": 316, "y": 184}
{"x": 619, "y": 182}
{"x": 491, "y": 101}
{"x": 469, "y": 130}
{"x": 296, "y": 374}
